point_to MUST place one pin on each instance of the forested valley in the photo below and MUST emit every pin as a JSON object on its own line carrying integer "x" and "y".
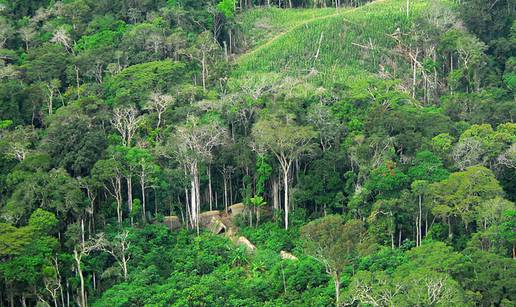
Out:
{"x": 257, "y": 153}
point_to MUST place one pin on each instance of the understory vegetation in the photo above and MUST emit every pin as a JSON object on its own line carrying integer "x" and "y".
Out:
{"x": 370, "y": 147}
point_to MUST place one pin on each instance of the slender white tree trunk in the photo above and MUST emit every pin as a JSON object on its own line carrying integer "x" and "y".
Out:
{"x": 142, "y": 186}
{"x": 77, "y": 258}
{"x": 336, "y": 281}
{"x": 420, "y": 220}
{"x": 193, "y": 201}
{"x": 203, "y": 73}
{"x": 225, "y": 193}
{"x": 286, "y": 168}
{"x": 129, "y": 195}
{"x": 197, "y": 197}
{"x": 210, "y": 192}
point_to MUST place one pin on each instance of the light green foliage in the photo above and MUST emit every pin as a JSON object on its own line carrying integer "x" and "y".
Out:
{"x": 424, "y": 277}
{"x": 463, "y": 192}
{"x": 43, "y": 221}
{"x": 227, "y": 7}
{"x": 13, "y": 239}
{"x": 133, "y": 84}
{"x": 386, "y": 259}
{"x": 427, "y": 167}
{"x": 262, "y": 24}
{"x": 270, "y": 236}
{"x": 387, "y": 180}
{"x": 338, "y": 59}
{"x": 264, "y": 170}
{"x": 420, "y": 287}
{"x": 436, "y": 256}
{"x": 484, "y": 143}
{"x": 333, "y": 243}
{"x": 26, "y": 251}
{"x": 5, "y": 123}
{"x": 283, "y": 137}
{"x": 442, "y": 144}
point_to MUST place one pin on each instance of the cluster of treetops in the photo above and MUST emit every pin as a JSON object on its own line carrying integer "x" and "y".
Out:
{"x": 114, "y": 114}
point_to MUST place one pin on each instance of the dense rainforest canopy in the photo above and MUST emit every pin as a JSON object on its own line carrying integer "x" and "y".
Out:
{"x": 369, "y": 147}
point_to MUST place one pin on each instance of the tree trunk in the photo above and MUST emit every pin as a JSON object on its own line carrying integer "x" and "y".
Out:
{"x": 144, "y": 203}
{"x": 285, "y": 196}
{"x": 414, "y": 76}
{"x": 50, "y": 103}
{"x": 426, "y": 222}
{"x": 77, "y": 80}
{"x": 417, "y": 232}
{"x": 130, "y": 196}
{"x": 189, "y": 218}
{"x": 225, "y": 193}
{"x": 203, "y": 73}
{"x": 275, "y": 195}
{"x": 195, "y": 195}
{"x": 420, "y": 218}
{"x": 450, "y": 235}
{"x": 198, "y": 197}
{"x": 210, "y": 196}
{"x": 118, "y": 197}
{"x": 230, "y": 190}
{"x": 77, "y": 258}
{"x": 193, "y": 201}
{"x": 337, "y": 288}
{"x": 124, "y": 265}
{"x": 82, "y": 230}
{"x": 67, "y": 293}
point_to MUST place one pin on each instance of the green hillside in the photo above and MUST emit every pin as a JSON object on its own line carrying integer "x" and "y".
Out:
{"x": 259, "y": 25}
{"x": 335, "y": 46}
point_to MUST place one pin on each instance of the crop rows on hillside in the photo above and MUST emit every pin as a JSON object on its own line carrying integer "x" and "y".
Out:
{"x": 339, "y": 46}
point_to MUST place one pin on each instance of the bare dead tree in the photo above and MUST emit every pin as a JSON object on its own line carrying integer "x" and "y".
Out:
{"x": 159, "y": 103}
{"x": 84, "y": 249}
{"x": 118, "y": 248}
{"x": 27, "y": 34}
{"x": 125, "y": 121}
{"x": 61, "y": 36}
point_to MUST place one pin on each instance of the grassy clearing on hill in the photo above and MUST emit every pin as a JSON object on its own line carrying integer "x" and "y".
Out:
{"x": 350, "y": 43}
{"x": 261, "y": 24}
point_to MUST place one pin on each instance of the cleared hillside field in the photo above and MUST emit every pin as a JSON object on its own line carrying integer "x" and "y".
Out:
{"x": 261, "y": 24}
{"x": 338, "y": 46}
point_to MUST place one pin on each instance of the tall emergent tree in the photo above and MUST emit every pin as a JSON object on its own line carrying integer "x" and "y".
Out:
{"x": 287, "y": 141}
{"x": 194, "y": 142}
{"x": 333, "y": 243}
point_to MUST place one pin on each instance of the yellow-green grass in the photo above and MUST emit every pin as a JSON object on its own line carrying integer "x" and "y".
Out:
{"x": 261, "y": 24}
{"x": 351, "y": 43}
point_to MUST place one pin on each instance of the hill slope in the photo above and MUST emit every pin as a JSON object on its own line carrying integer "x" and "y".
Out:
{"x": 335, "y": 46}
